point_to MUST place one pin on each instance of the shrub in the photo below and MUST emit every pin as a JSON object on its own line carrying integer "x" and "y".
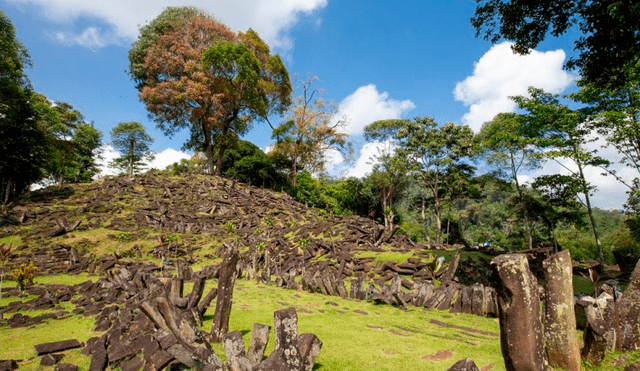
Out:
{"x": 24, "y": 274}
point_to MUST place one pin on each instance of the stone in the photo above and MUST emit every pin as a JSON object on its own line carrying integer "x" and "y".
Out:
{"x": 134, "y": 364}
{"x": 629, "y": 314}
{"x": 309, "y": 346}
{"x": 632, "y": 367}
{"x": 466, "y": 364}
{"x": 98, "y": 359}
{"x": 286, "y": 327}
{"x": 8, "y": 365}
{"x": 66, "y": 367}
{"x": 259, "y": 341}
{"x": 600, "y": 331}
{"x": 57, "y": 346}
{"x": 161, "y": 359}
{"x": 234, "y": 351}
{"x": 51, "y": 359}
{"x": 521, "y": 339}
{"x": 224, "y": 302}
{"x": 560, "y": 333}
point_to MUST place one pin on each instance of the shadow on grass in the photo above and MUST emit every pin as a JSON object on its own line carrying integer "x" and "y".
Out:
{"x": 49, "y": 194}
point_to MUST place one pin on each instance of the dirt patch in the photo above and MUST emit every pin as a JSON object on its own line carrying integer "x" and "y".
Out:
{"x": 375, "y": 327}
{"x": 388, "y": 352}
{"x": 361, "y": 312}
{"x": 488, "y": 367}
{"x": 397, "y": 333}
{"x": 302, "y": 310}
{"x": 440, "y": 355}
{"x": 407, "y": 330}
{"x": 467, "y": 329}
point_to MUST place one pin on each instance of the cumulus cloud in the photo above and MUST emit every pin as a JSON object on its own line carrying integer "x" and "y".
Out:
{"x": 500, "y": 74}
{"x": 161, "y": 161}
{"x": 367, "y": 157}
{"x": 166, "y": 158}
{"x": 271, "y": 19}
{"x": 367, "y": 105}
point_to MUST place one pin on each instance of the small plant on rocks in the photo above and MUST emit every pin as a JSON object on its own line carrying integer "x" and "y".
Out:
{"x": 24, "y": 274}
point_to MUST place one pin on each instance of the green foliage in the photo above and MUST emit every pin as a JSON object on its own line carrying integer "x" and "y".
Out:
{"x": 608, "y": 28}
{"x": 231, "y": 229}
{"x": 24, "y": 274}
{"x": 246, "y": 162}
{"x": 133, "y": 142}
{"x": 197, "y": 164}
{"x": 269, "y": 222}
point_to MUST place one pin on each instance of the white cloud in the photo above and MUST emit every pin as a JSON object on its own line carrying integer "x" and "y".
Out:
{"x": 367, "y": 105}
{"x": 500, "y": 74}
{"x": 161, "y": 161}
{"x": 166, "y": 158}
{"x": 271, "y": 19}
{"x": 367, "y": 159}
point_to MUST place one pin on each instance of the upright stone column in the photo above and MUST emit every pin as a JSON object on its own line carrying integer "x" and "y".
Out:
{"x": 629, "y": 314}
{"x": 560, "y": 333}
{"x": 225, "y": 295}
{"x": 519, "y": 312}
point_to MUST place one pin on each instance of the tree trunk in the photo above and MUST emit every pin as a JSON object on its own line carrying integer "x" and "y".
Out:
{"x": 527, "y": 218}
{"x": 222, "y": 147}
{"x": 131, "y": 143}
{"x": 424, "y": 217}
{"x": 208, "y": 149}
{"x": 7, "y": 192}
{"x": 438, "y": 221}
{"x": 593, "y": 222}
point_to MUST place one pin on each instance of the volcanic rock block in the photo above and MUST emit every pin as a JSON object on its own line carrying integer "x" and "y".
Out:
{"x": 309, "y": 346}
{"x": 66, "y": 367}
{"x": 259, "y": 341}
{"x": 632, "y": 367}
{"x": 234, "y": 350}
{"x": 466, "y": 364}
{"x": 50, "y": 359}
{"x": 134, "y": 364}
{"x": 225, "y": 295}
{"x": 58, "y": 346}
{"x": 98, "y": 359}
{"x": 8, "y": 365}
{"x": 629, "y": 314}
{"x": 521, "y": 338}
{"x": 600, "y": 331}
{"x": 560, "y": 333}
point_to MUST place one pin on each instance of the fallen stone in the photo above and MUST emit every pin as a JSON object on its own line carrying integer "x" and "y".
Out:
{"x": 66, "y": 367}
{"x": 8, "y": 365}
{"x": 629, "y": 314}
{"x": 50, "y": 359}
{"x": 58, "y": 346}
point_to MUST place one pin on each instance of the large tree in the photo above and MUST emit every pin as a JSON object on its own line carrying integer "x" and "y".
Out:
{"x": 310, "y": 130}
{"x": 194, "y": 72}
{"x": 23, "y": 145}
{"x": 564, "y": 134}
{"x": 610, "y": 41}
{"x": 438, "y": 155}
{"x": 133, "y": 142}
{"x": 509, "y": 145}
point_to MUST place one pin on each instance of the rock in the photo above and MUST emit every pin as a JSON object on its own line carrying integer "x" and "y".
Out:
{"x": 600, "y": 331}
{"x": 259, "y": 341}
{"x": 225, "y": 295}
{"x": 58, "y": 346}
{"x": 521, "y": 338}
{"x": 8, "y": 365}
{"x": 560, "y": 333}
{"x": 466, "y": 364}
{"x": 629, "y": 314}
{"x": 134, "y": 364}
{"x": 632, "y": 367}
{"x": 66, "y": 367}
{"x": 234, "y": 350}
{"x": 51, "y": 359}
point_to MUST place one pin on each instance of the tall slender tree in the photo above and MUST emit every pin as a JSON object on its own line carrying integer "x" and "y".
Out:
{"x": 507, "y": 144}
{"x": 564, "y": 133}
{"x": 133, "y": 142}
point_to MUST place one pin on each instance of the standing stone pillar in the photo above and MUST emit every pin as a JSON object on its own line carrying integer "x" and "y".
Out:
{"x": 519, "y": 312}
{"x": 560, "y": 333}
{"x": 629, "y": 314}
{"x": 225, "y": 295}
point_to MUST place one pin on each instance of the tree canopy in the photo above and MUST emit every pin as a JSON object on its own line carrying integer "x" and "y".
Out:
{"x": 609, "y": 47}
{"x": 133, "y": 142}
{"x": 194, "y": 72}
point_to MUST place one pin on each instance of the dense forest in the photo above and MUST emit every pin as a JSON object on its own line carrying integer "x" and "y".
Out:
{"x": 194, "y": 73}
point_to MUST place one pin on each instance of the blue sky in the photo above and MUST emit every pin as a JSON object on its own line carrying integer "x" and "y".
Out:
{"x": 375, "y": 59}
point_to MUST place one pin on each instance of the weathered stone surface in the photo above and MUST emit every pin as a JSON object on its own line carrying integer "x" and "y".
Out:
{"x": 560, "y": 333}
{"x": 600, "y": 331}
{"x": 309, "y": 346}
{"x": 57, "y": 346}
{"x": 259, "y": 340}
{"x": 225, "y": 295}
{"x": 161, "y": 359}
{"x": 98, "y": 360}
{"x": 632, "y": 367}
{"x": 286, "y": 327}
{"x": 8, "y": 365}
{"x": 466, "y": 364}
{"x": 66, "y": 367}
{"x": 51, "y": 359}
{"x": 134, "y": 364}
{"x": 234, "y": 350}
{"x": 629, "y": 314}
{"x": 519, "y": 312}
